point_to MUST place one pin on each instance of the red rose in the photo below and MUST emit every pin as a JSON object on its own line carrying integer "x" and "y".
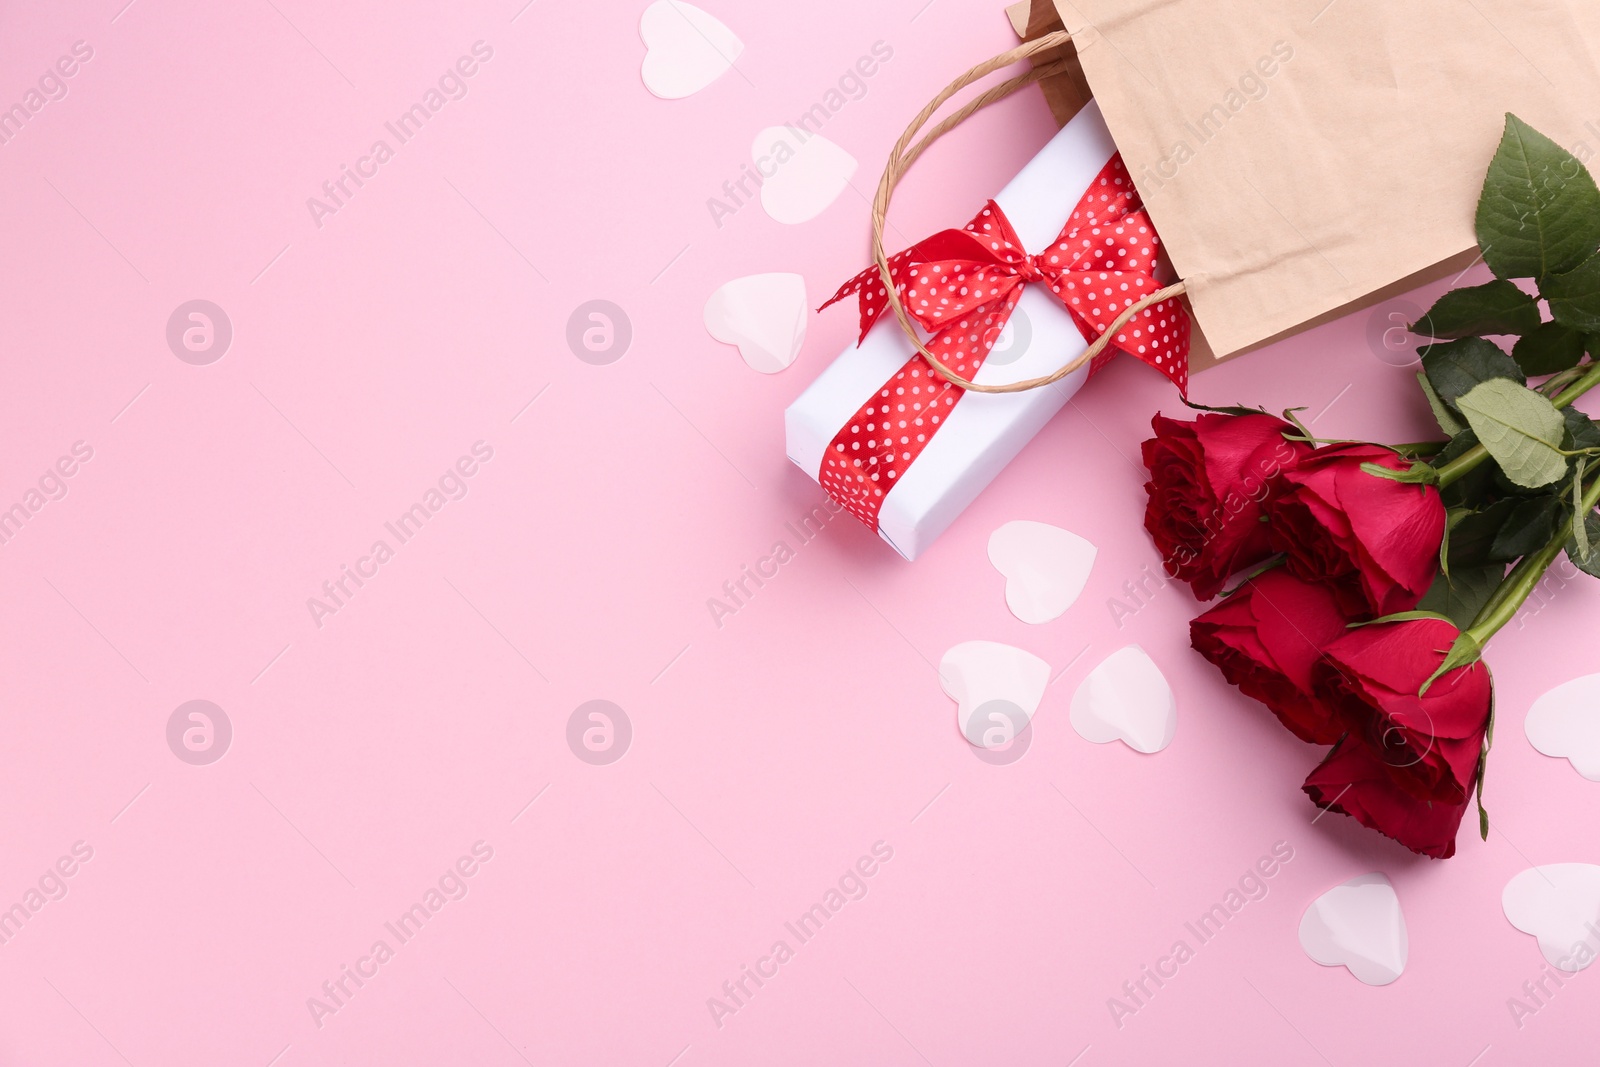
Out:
{"x": 1208, "y": 479}
{"x": 1355, "y": 782}
{"x": 1418, "y": 753}
{"x": 1376, "y": 541}
{"x": 1266, "y": 637}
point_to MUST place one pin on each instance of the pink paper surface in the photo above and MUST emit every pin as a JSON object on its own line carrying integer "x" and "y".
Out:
{"x": 374, "y": 747}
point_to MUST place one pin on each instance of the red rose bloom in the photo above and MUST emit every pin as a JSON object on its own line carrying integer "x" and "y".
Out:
{"x": 1418, "y": 753}
{"x": 1355, "y": 782}
{"x": 1208, "y": 479}
{"x": 1266, "y": 637}
{"x": 1376, "y": 541}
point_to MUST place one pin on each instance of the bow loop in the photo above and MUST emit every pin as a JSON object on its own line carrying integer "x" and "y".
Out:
{"x": 952, "y": 273}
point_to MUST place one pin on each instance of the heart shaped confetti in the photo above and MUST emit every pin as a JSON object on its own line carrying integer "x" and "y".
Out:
{"x": 1126, "y": 698}
{"x": 685, "y": 49}
{"x": 1045, "y": 568}
{"x": 764, "y": 315}
{"x": 1559, "y": 904}
{"x": 996, "y": 687}
{"x": 805, "y": 172}
{"x": 1358, "y": 926}
{"x": 1563, "y": 722}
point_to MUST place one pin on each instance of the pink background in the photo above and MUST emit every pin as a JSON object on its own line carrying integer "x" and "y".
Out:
{"x": 768, "y": 754}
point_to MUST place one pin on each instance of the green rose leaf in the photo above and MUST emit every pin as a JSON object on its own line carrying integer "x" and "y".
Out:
{"x": 1461, "y": 596}
{"x": 1494, "y": 307}
{"x": 1473, "y": 534}
{"x": 1521, "y": 429}
{"x": 1582, "y": 431}
{"x": 1548, "y": 349}
{"x": 1441, "y": 414}
{"x": 1539, "y": 212}
{"x": 1455, "y": 368}
{"x": 1588, "y": 563}
{"x": 1580, "y": 529}
{"x": 1575, "y": 296}
{"x": 1473, "y": 488}
{"x": 1528, "y": 526}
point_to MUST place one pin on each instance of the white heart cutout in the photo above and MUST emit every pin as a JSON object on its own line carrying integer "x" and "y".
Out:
{"x": 764, "y": 315}
{"x": 1126, "y": 698}
{"x": 1563, "y": 722}
{"x": 808, "y": 172}
{"x": 1045, "y": 568}
{"x": 1559, "y": 904}
{"x": 994, "y": 686}
{"x": 685, "y": 49}
{"x": 1359, "y": 926}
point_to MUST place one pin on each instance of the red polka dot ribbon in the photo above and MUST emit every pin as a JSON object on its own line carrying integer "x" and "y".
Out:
{"x": 961, "y": 286}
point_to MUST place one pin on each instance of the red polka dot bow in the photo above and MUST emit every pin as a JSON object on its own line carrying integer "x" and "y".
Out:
{"x": 961, "y": 287}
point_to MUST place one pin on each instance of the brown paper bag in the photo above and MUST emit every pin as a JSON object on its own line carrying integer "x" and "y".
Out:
{"x": 1308, "y": 158}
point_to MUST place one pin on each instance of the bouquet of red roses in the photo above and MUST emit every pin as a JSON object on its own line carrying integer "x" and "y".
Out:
{"x": 1378, "y": 573}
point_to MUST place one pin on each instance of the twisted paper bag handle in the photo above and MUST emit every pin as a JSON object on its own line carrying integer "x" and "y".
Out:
{"x": 900, "y": 159}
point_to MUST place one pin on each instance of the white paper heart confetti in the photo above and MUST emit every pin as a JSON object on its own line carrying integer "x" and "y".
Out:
{"x": 685, "y": 49}
{"x": 764, "y": 315}
{"x": 994, "y": 686}
{"x": 806, "y": 172}
{"x": 1359, "y": 926}
{"x": 1126, "y": 698}
{"x": 1559, "y": 904}
{"x": 1564, "y": 722}
{"x": 1045, "y": 568}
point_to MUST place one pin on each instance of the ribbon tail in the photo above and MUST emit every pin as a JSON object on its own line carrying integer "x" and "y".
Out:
{"x": 869, "y": 309}
{"x": 964, "y": 249}
{"x": 851, "y": 286}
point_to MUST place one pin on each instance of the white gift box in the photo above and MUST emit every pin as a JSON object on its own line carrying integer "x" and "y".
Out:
{"x": 985, "y": 431}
